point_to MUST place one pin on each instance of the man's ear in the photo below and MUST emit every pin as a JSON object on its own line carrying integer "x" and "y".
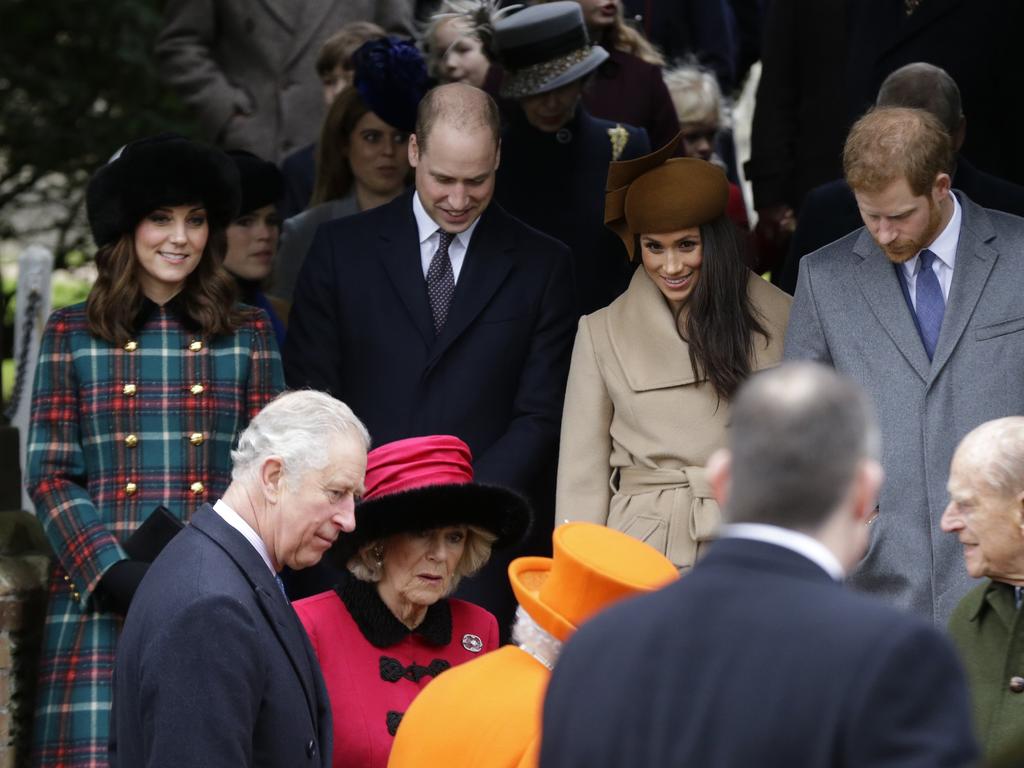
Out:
{"x": 867, "y": 484}
{"x": 1018, "y": 511}
{"x": 414, "y": 150}
{"x": 497, "y": 155}
{"x": 271, "y": 478}
{"x": 941, "y": 187}
{"x": 719, "y": 474}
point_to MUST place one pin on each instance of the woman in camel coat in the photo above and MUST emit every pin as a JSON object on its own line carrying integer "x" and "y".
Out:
{"x": 648, "y": 395}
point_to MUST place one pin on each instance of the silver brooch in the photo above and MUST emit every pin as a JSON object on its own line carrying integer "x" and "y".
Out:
{"x": 472, "y": 643}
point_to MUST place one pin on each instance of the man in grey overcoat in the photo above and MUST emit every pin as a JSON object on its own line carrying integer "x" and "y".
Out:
{"x": 923, "y": 307}
{"x": 248, "y": 67}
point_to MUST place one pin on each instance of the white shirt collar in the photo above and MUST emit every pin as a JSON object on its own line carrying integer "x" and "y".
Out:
{"x": 943, "y": 246}
{"x": 427, "y": 227}
{"x": 792, "y": 540}
{"x": 236, "y": 521}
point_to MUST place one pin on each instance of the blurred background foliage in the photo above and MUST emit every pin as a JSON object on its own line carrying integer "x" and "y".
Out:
{"x": 78, "y": 80}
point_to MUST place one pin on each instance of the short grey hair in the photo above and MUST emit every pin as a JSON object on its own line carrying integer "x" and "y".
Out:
{"x": 924, "y": 86}
{"x": 363, "y": 564}
{"x": 799, "y": 433}
{"x": 695, "y": 94}
{"x": 294, "y": 426}
{"x": 995, "y": 451}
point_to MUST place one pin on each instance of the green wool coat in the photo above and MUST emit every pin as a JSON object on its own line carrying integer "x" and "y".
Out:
{"x": 988, "y": 630}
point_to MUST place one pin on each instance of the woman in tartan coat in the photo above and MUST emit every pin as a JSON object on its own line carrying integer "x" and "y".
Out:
{"x": 139, "y": 395}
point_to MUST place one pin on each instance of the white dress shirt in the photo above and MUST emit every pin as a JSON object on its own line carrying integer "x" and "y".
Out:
{"x": 430, "y": 238}
{"x": 232, "y": 518}
{"x": 944, "y": 248}
{"x": 792, "y": 540}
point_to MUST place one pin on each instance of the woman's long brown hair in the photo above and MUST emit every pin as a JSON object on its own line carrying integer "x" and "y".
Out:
{"x": 334, "y": 177}
{"x": 721, "y": 323}
{"x": 209, "y": 294}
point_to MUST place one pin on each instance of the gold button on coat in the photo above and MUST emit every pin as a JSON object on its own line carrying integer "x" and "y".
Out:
{"x": 196, "y": 389}
{"x": 195, "y": 346}
{"x": 197, "y": 488}
{"x": 130, "y": 488}
{"x": 1017, "y": 684}
{"x": 129, "y": 390}
{"x": 131, "y": 346}
{"x": 196, "y": 438}
{"x": 131, "y": 440}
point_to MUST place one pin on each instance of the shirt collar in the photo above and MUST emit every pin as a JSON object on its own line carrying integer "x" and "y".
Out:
{"x": 427, "y": 226}
{"x": 792, "y": 540}
{"x": 236, "y": 521}
{"x": 943, "y": 246}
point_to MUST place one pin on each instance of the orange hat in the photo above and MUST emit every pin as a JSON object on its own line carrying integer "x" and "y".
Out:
{"x": 659, "y": 193}
{"x": 593, "y": 567}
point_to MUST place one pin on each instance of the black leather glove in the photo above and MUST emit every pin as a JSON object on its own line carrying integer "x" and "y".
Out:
{"x": 117, "y": 586}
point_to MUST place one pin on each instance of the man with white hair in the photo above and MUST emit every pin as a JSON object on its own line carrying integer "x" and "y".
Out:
{"x": 986, "y": 512}
{"x": 213, "y": 667}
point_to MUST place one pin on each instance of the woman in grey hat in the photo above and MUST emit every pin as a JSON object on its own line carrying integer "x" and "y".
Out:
{"x": 554, "y": 154}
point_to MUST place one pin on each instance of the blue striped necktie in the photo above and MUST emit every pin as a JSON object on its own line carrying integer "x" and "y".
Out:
{"x": 930, "y": 304}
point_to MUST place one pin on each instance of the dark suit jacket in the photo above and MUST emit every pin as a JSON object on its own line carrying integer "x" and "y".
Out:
{"x": 213, "y": 667}
{"x": 830, "y": 211}
{"x": 757, "y": 658}
{"x": 360, "y": 328}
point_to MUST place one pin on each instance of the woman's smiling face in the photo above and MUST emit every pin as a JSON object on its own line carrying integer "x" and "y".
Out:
{"x": 169, "y": 242}
{"x": 673, "y": 261}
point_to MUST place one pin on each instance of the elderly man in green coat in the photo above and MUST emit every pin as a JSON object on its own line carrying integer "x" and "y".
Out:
{"x": 986, "y": 512}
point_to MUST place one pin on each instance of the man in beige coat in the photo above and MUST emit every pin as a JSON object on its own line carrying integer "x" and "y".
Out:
{"x": 247, "y": 67}
{"x": 647, "y": 403}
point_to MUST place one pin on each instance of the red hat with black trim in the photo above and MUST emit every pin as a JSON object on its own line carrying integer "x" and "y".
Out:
{"x": 427, "y": 482}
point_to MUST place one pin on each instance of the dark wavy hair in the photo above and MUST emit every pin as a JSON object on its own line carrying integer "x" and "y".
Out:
{"x": 721, "y": 324}
{"x": 209, "y": 295}
{"x": 334, "y": 177}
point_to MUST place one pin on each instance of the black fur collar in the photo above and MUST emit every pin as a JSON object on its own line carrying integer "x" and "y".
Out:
{"x": 379, "y": 625}
{"x": 176, "y": 307}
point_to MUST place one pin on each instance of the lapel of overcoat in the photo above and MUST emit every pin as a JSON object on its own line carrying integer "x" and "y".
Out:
{"x": 282, "y": 12}
{"x": 927, "y": 13}
{"x": 975, "y": 259}
{"x": 880, "y": 286}
{"x": 490, "y": 258}
{"x": 645, "y": 338}
{"x": 400, "y": 255}
{"x": 279, "y": 614}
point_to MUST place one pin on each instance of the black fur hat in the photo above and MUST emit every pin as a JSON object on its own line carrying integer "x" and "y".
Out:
{"x": 262, "y": 182}
{"x": 162, "y": 170}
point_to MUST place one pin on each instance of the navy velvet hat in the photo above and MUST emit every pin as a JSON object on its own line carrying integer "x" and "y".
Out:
{"x": 391, "y": 77}
{"x": 159, "y": 171}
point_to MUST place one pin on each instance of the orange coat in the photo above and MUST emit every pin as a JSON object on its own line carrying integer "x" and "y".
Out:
{"x": 485, "y": 713}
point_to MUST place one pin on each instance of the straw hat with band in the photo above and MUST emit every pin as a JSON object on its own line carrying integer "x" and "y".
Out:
{"x": 427, "y": 482}
{"x": 159, "y": 171}
{"x": 593, "y": 566}
{"x": 659, "y": 193}
{"x": 544, "y": 47}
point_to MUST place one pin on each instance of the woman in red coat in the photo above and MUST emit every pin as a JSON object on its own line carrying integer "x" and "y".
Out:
{"x": 389, "y": 628}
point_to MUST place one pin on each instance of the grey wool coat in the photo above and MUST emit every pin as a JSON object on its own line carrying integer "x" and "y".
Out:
{"x": 850, "y": 312}
{"x": 248, "y": 67}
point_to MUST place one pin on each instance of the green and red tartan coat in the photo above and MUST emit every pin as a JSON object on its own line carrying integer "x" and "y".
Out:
{"x": 117, "y": 431}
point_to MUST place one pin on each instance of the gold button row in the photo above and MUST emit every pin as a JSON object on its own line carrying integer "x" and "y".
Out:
{"x": 194, "y": 346}
{"x": 196, "y": 438}
{"x": 197, "y": 488}
{"x": 130, "y": 390}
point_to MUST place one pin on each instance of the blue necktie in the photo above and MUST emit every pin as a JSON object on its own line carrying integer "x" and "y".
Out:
{"x": 280, "y": 584}
{"x": 930, "y": 304}
{"x": 441, "y": 281}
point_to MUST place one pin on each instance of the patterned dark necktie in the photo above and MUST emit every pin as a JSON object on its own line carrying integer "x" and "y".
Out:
{"x": 441, "y": 281}
{"x": 930, "y": 304}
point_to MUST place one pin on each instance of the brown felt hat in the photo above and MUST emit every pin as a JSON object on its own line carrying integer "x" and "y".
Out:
{"x": 659, "y": 193}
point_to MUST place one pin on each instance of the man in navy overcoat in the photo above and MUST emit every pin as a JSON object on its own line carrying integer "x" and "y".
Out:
{"x": 759, "y": 657}
{"x": 439, "y": 313}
